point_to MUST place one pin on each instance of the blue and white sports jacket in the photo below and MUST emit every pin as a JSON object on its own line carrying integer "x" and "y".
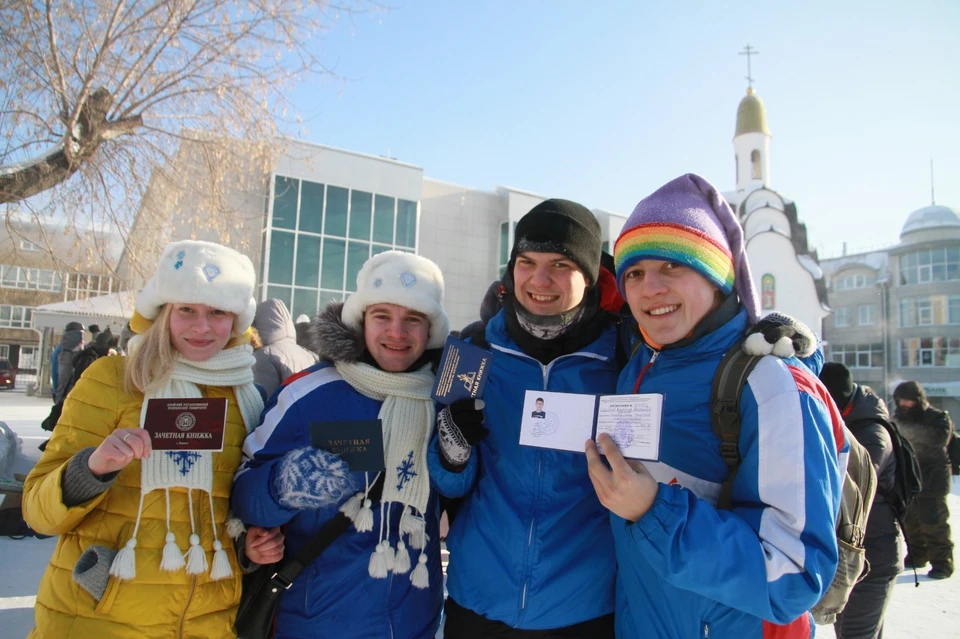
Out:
{"x": 687, "y": 569}
{"x": 531, "y": 544}
{"x": 335, "y": 596}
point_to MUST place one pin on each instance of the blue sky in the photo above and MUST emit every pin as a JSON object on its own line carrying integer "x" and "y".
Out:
{"x": 602, "y": 102}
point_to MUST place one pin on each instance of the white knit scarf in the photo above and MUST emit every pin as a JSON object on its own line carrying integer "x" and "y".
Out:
{"x": 407, "y": 416}
{"x": 192, "y": 470}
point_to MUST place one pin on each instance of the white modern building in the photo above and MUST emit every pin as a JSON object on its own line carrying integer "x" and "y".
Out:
{"x": 327, "y": 210}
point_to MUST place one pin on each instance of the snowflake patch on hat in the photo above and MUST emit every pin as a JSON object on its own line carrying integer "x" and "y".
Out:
{"x": 211, "y": 271}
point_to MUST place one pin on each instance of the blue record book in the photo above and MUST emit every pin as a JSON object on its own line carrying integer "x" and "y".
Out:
{"x": 357, "y": 442}
{"x": 462, "y": 373}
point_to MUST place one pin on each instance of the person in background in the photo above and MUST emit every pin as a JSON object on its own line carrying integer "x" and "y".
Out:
{"x": 926, "y": 527}
{"x": 280, "y": 356}
{"x": 378, "y": 350}
{"x": 686, "y": 568}
{"x": 145, "y": 549}
{"x": 865, "y": 414}
{"x": 70, "y": 343}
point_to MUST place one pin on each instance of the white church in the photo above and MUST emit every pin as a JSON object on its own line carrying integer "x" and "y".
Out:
{"x": 785, "y": 270}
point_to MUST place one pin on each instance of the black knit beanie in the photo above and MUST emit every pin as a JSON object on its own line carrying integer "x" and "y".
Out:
{"x": 561, "y": 226}
{"x": 839, "y": 382}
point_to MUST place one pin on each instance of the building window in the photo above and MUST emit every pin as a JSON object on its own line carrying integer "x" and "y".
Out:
{"x": 322, "y": 234}
{"x": 858, "y": 280}
{"x": 857, "y": 355}
{"x": 755, "y": 164}
{"x": 81, "y": 286}
{"x": 33, "y": 279}
{"x": 27, "y": 245}
{"x": 867, "y": 314}
{"x": 930, "y": 351}
{"x": 929, "y": 310}
{"x": 5, "y": 351}
{"x": 504, "y": 247}
{"x": 29, "y": 357}
{"x": 841, "y": 316}
{"x": 15, "y": 316}
{"x": 932, "y": 265}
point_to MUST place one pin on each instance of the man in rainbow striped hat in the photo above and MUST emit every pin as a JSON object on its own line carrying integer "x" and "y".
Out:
{"x": 685, "y": 567}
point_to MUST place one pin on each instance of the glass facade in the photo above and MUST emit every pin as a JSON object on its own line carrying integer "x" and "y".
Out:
{"x": 930, "y": 351}
{"x": 931, "y": 265}
{"x": 320, "y": 235}
{"x": 931, "y": 309}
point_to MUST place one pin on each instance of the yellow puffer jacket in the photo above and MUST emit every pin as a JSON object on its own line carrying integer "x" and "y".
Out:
{"x": 156, "y": 603}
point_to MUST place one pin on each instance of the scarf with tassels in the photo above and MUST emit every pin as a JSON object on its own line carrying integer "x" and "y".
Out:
{"x": 407, "y": 416}
{"x": 230, "y": 367}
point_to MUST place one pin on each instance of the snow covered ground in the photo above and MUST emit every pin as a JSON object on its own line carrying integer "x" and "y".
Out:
{"x": 931, "y": 611}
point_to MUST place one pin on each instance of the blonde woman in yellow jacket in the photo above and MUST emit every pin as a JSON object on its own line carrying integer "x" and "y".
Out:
{"x": 145, "y": 547}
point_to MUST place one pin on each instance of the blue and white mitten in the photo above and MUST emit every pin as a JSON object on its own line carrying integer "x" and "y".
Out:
{"x": 780, "y": 335}
{"x": 312, "y": 478}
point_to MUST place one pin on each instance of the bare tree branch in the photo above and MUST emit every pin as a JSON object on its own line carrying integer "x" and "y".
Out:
{"x": 104, "y": 101}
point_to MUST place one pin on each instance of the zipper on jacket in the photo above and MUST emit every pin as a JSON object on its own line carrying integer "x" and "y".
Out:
{"x": 523, "y": 598}
{"x": 636, "y": 387}
{"x": 545, "y": 371}
{"x": 183, "y": 615}
{"x": 706, "y": 631}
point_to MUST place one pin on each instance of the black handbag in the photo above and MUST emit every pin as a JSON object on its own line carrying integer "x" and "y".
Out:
{"x": 263, "y": 587}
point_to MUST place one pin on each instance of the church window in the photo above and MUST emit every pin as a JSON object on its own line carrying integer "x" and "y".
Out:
{"x": 755, "y": 164}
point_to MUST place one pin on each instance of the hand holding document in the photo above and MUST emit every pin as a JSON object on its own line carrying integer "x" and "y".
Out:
{"x": 562, "y": 421}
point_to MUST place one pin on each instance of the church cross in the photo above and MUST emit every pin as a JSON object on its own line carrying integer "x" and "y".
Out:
{"x": 749, "y": 51}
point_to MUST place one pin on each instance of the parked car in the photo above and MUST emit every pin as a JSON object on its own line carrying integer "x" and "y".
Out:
{"x": 8, "y": 375}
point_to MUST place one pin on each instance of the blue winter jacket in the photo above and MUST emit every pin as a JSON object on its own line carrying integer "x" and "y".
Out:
{"x": 335, "y": 596}
{"x": 531, "y": 544}
{"x": 687, "y": 569}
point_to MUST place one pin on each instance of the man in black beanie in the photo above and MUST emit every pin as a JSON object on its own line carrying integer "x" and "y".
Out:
{"x": 531, "y": 550}
{"x": 865, "y": 414}
{"x": 928, "y": 430}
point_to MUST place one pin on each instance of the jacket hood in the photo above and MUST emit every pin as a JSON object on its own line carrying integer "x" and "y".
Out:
{"x": 866, "y": 405}
{"x": 331, "y": 339}
{"x": 71, "y": 339}
{"x": 274, "y": 322}
{"x": 914, "y": 391}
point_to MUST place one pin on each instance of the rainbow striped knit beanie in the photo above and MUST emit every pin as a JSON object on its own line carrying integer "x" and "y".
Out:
{"x": 687, "y": 221}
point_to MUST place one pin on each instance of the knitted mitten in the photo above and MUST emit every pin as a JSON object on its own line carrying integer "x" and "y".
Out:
{"x": 92, "y": 570}
{"x": 312, "y": 478}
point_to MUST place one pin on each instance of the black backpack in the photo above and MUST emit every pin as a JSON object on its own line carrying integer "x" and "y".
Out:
{"x": 908, "y": 482}
{"x": 859, "y": 482}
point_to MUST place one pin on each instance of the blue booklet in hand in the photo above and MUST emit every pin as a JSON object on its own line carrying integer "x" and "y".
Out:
{"x": 357, "y": 442}
{"x": 462, "y": 373}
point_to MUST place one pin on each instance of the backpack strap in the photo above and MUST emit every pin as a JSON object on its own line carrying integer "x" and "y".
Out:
{"x": 728, "y": 383}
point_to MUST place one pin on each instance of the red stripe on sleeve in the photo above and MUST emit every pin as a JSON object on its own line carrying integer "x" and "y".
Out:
{"x": 812, "y": 386}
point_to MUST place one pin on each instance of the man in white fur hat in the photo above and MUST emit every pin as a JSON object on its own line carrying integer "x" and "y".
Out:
{"x": 382, "y": 577}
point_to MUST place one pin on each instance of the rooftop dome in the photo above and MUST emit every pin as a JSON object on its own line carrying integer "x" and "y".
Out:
{"x": 751, "y": 115}
{"x": 931, "y": 217}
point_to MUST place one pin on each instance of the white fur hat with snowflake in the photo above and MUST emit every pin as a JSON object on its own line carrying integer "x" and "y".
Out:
{"x": 194, "y": 272}
{"x": 404, "y": 279}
